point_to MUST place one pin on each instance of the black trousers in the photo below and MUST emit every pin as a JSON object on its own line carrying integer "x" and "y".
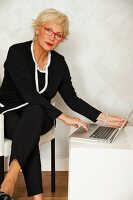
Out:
{"x": 24, "y": 127}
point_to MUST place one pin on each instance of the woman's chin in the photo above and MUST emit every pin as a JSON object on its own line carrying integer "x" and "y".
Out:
{"x": 48, "y": 48}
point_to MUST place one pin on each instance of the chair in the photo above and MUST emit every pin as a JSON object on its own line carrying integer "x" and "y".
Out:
{"x": 5, "y": 150}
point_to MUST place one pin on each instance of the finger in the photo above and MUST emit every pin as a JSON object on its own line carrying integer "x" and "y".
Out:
{"x": 75, "y": 125}
{"x": 115, "y": 118}
{"x": 81, "y": 123}
{"x": 114, "y": 124}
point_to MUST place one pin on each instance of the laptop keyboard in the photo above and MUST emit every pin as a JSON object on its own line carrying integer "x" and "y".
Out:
{"x": 103, "y": 132}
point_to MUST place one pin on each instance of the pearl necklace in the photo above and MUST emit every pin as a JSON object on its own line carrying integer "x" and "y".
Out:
{"x": 46, "y": 64}
{"x": 45, "y": 71}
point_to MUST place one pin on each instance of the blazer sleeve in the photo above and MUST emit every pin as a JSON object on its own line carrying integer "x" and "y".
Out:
{"x": 70, "y": 97}
{"x": 17, "y": 67}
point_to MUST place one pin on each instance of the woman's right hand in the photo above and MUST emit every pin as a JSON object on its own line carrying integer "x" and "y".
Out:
{"x": 73, "y": 121}
{"x": 111, "y": 121}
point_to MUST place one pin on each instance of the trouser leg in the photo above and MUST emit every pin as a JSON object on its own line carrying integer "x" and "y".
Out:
{"x": 27, "y": 134}
{"x": 32, "y": 173}
{"x": 25, "y": 145}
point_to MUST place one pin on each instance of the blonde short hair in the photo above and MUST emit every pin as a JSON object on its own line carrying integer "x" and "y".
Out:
{"x": 50, "y": 15}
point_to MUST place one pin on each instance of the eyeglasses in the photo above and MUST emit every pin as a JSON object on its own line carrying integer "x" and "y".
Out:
{"x": 57, "y": 35}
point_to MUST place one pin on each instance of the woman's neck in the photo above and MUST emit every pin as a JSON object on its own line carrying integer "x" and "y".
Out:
{"x": 39, "y": 53}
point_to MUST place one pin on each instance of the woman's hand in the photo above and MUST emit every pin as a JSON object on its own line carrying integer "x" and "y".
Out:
{"x": 73, "y": 121}
{"x": 111, "y": 121}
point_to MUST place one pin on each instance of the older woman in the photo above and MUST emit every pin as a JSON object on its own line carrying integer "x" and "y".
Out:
{"x": 34, "y": 72}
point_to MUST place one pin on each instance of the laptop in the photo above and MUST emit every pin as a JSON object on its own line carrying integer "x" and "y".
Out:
{"x": 97, "y": 133}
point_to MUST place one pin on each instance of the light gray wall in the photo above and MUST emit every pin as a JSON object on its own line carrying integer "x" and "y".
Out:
{"x": 99, "y": 53}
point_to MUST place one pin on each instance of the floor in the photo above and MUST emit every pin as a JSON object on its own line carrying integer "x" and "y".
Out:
{"x": 61, "y": 187}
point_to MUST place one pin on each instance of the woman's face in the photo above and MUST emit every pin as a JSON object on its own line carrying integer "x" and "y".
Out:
{"x": 49, "y": 35}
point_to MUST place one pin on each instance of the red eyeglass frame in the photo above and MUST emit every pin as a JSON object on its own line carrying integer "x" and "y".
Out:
{"x": 53, "y": 33}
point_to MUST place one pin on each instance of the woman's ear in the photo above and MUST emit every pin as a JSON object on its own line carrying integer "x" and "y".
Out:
{"x": 36, "y": 31}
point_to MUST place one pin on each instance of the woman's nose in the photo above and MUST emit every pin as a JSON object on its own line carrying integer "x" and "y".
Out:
{"x": 52, "y": 37}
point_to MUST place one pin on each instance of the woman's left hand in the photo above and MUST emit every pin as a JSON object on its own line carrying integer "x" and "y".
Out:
{"x": 111, "y": 121}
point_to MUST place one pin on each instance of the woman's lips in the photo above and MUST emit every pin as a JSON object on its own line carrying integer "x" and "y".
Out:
{"x": 49, "y": 44}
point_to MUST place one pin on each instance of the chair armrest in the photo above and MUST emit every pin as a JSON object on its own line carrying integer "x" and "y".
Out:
{"x": 47, "y": 137}
{"x": 1, "y": 134}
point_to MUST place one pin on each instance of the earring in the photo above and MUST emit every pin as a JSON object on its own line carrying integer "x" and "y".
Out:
{"x": 36, "y": 36}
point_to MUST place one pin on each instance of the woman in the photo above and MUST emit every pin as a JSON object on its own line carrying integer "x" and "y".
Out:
{"x": 34, "y": 73}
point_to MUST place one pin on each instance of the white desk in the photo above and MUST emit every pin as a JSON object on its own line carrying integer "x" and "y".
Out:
{"x": 101, "y": 171}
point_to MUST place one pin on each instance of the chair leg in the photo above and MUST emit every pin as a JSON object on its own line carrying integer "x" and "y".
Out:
{"x": 1, "y": 169}
{"x": 53, "y": 165}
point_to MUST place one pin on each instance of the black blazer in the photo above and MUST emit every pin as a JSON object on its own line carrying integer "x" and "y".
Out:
{"x": 18, "y": 87}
